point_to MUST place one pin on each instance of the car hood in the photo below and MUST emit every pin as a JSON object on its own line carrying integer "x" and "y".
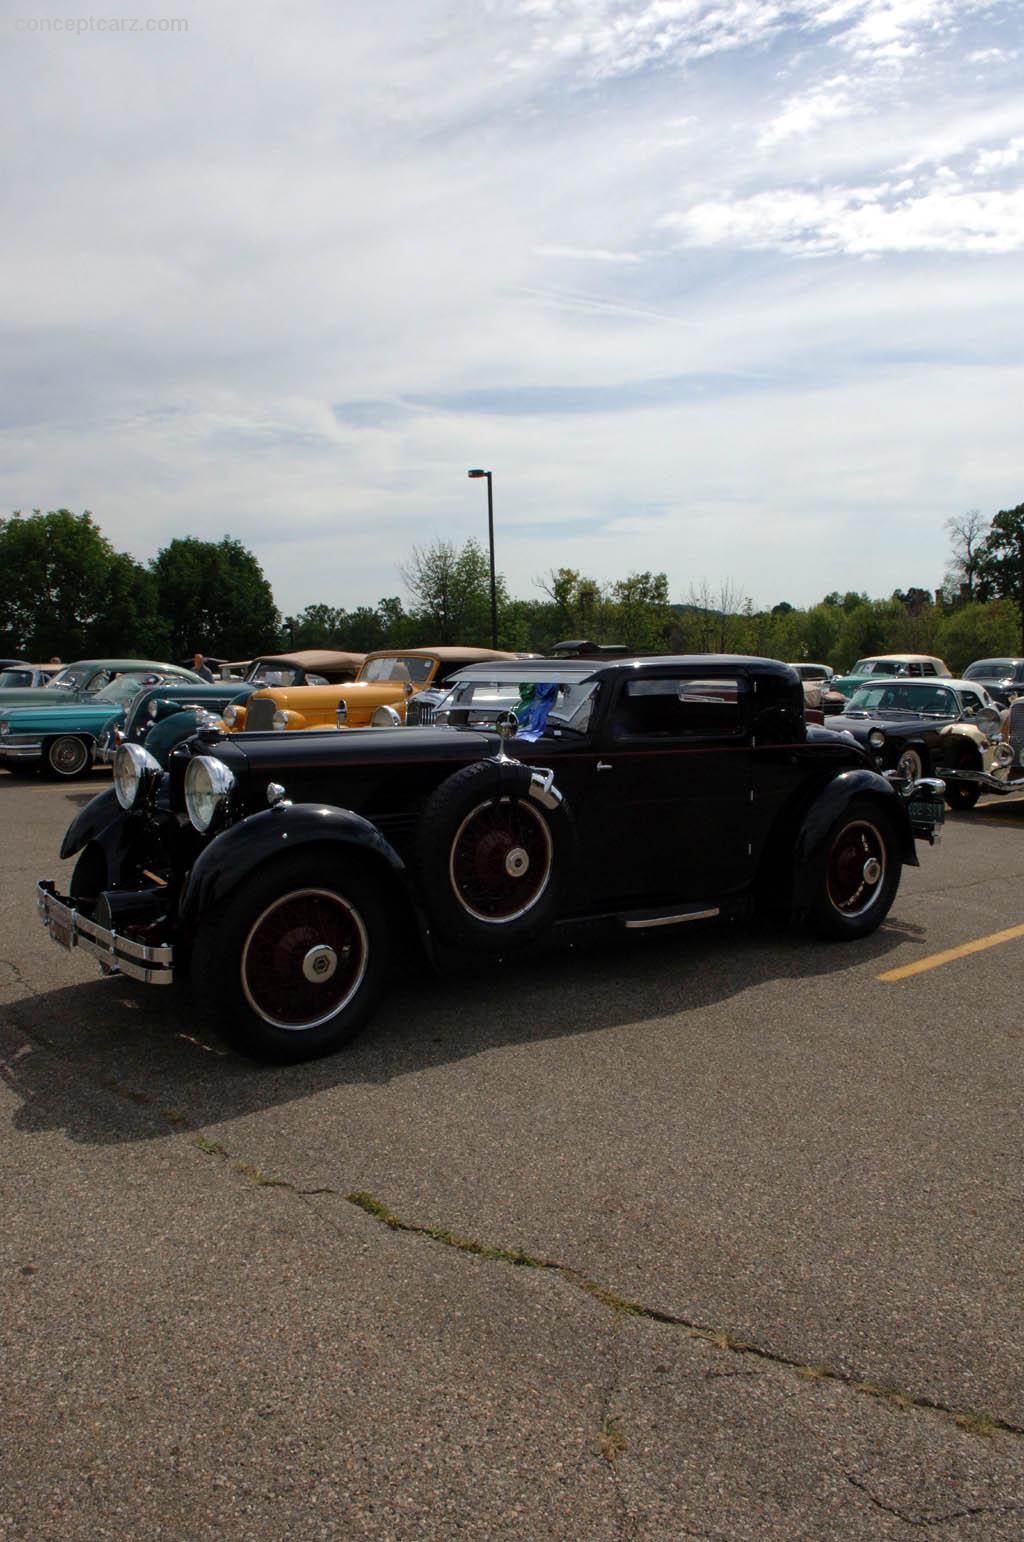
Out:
{"x": 28, "y": 696}
{"x": 271, "y": 753}
{"x": 859, "y": 724}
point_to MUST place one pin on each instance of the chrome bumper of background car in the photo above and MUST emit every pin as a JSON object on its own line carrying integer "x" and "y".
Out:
{"x": 20, "y": 747}
{"x": 1011, "y": 781}
{"x": 116, "y": 953}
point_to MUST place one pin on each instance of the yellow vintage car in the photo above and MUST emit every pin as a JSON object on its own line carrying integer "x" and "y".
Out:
{"x": 378, "y": 697}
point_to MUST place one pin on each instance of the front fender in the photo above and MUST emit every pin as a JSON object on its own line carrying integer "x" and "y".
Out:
{"x": 827, "y": 808}
{"x": 90, "y": 822}
{"x": 229, "y": 859}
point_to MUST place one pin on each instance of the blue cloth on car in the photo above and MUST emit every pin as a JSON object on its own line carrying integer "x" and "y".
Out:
{"x": 533, "y": 719}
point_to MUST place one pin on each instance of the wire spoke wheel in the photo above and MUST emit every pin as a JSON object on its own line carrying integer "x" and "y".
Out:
{"x": 501, "y": 860}
{"x": 304, "y": 959}
{"x": 856, "y": 868}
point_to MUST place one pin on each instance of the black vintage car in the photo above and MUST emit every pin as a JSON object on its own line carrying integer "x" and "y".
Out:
{"x": 286, "y": 874}
{"x": 919, "y": 726}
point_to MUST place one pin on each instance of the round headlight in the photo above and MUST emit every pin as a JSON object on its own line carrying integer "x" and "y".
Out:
{"x": 1004, "y": 753}
{"x": 230, "y": 716}
{"x": 876, "y": 738}
{"x": 341, "y": 714}
{"x": 385, "y": 717}
{"x": 207, "y": 785}
{"x": 280, "y": 718}
{"x": 134, "y": 769}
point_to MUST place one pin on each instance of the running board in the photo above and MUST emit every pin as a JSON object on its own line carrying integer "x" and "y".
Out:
{"x": 640, "y": 920}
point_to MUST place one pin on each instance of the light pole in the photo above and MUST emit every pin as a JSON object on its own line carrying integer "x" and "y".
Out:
{"x": 490, "y": 543}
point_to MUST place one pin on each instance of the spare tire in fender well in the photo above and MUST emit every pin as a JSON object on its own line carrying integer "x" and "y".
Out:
{"x": 494, "y": 849}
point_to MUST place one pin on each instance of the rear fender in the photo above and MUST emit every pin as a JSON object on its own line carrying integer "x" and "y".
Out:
{"x": 827, "y": 808}
{"x": 234, "y": 856}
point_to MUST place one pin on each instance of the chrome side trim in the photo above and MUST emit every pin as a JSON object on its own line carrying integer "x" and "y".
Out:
{"x": 117, "y": 954}
{"x": 644, "y": 923}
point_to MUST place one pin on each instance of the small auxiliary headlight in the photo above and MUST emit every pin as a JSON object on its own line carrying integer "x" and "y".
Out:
{"x": 876, "y": 738}
{"x": 1004, "y": 753}
{"x": 134, "y": 770}
{"x": 230, "y": 715}
{"x": 207, "y": 785}
{"x": 385, "y": 717}
{"x": 280, "y": 718}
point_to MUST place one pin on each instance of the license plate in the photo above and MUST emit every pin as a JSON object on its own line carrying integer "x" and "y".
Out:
{"x": 60, "y": 932}
{"x": 927, "y": 813}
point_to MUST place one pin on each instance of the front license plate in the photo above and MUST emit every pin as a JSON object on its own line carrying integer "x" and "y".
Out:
{"x": 927, "y": 813}
{"x": 60, "y": 932}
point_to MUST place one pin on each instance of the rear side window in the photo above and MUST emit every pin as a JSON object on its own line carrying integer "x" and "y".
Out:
{"x": 680, "y": 707}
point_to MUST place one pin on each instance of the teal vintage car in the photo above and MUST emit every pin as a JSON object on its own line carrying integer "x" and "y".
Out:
{"x": 81, "y": 680}
{"x": 60, "y": 736}
{"x": 163, "y": 715}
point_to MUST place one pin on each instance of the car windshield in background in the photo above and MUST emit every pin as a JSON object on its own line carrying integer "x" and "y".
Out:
{"x": 811, "y": 671}
{"x": 991, "y": 669}
{"x": 920, "y": 700}
{"x": 403, "y": 671}
{"x": 15, "y": 677}
{"x": 123, "y": 688}
{"x": 275, "y": 674}
{"x": 482, "y": 701}
{"x": 68, "y": 679}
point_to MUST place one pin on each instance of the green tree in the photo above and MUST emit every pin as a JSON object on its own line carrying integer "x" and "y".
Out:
{"x": 451, "y": 592}
{"x": 1003, "y": 559}
{"x": 977, "y": 632}
{"x": 66, "y": 592}
{"x": 640, "y": 612}
{"x": 318, "y": 626}
{"x": 214, "y": 598}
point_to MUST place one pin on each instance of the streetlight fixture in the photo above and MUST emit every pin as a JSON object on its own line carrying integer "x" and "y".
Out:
{"x": 490, "y": 542}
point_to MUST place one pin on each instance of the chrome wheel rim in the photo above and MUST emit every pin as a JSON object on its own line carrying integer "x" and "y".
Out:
{"x": 68, "y": 755}
{"x": 304, "y": 959}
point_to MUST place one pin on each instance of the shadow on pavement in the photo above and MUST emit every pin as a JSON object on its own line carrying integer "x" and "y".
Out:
{"x": 146, "y": 1048}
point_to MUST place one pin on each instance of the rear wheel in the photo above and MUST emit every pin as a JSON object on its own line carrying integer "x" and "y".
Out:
{"x": 295, "y": 962}
{"x": 67, "y": 757}
{"x": 857, "y": 873}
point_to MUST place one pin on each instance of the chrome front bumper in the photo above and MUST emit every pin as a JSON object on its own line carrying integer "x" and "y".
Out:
{"x": 20, "y": 747}
{"x": 116, "y": 953}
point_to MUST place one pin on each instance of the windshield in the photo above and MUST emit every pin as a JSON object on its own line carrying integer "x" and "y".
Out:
{"x": 921, "y": 700}
{"x": 15, "y": 677}
{"x": 276, "y": 674}
{"x": 123, "y": 688}
{"x": 568, "y": 705}
{"x": 403, "y": 671}
{"x": 69, "y": 679}
{"x": 990, "y": 669}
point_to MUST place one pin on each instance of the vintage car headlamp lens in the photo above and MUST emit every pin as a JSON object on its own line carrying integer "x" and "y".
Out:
{"x": 385, "y": 717}
{"x": 230, "y": 716}
{"x": 134, "y": 769}
{"x": 280, "y": 718}
{"x": 153, "y": 709}
{"x": 876, "y": 738}
{"x": 208, "y": 783}
{"x": 1004, "y": 753}
{"x": 341, "y": 714}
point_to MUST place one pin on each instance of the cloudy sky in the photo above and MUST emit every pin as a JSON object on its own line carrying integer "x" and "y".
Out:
{"x": 732, "y": 290}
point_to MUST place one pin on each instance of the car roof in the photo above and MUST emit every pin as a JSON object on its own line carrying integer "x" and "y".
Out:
{"x": 911, "y": 658}
{"x": 567, "y": 671}
{"x": 310, "y": 658}
{"x": 917, "y": 683}
{"x": 444, "y": 652}
{"x": 124, "y": 666}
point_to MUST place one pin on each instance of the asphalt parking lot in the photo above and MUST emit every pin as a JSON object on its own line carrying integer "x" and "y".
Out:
{"x": 714, "y": 1234}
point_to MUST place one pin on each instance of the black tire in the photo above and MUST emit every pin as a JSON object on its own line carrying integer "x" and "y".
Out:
{"x": 294, "y": 963}
{"x": 23, "y": 768}
{"x": 67, "y": 757}
{"x": 962, "y": 795}
{"x": 857, "y": 873}
{"x": 88, "y": 878}
{"x": 492, "y": 860}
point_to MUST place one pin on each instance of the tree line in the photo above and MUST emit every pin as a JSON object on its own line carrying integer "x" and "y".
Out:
{"x": 68, "y": 593}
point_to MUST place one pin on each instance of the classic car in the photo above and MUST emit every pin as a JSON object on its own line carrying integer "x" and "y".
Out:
{"x": 31, "y": 675}
{"x": 81, "y": 680}
{"x": 162, "y": 715}
{"x": 1002, "y": 678}
{"x": 816, "y": 678}
{"x": 1000, "y": 771}
{"x": 311, "y": 666}
{"x": 912, "y": 666}
{"x": 60, "y": 737}
{"x": 379, "y": 696}
{"x": 285, "y": 875}
{"x": 916, "y": 727}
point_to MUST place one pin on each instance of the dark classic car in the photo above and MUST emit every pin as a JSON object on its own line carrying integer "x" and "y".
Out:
{"x": 162, "y": 715}
{"x": 287, "y": 874}
{"x": 1002, "y": 678}
{"x": 917, "y": 726}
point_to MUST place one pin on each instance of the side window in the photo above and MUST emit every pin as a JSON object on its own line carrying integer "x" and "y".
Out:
{"x": 928, "y": 669}
{"x": 680, "y": 707}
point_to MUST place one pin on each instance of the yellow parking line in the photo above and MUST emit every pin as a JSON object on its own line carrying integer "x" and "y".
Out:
{"x": 949, "y": 954}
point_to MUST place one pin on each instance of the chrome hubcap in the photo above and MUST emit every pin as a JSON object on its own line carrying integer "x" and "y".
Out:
{"x": 872, "y": 870}
{"x": 319, "y": 964}
{"x": 517, "y": 862}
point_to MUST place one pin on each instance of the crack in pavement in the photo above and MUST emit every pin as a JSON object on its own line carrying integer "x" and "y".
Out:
{"x": 930, "y": 1520}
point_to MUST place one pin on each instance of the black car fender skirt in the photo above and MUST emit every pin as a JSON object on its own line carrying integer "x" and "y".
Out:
{"x": 90, "y": 822}
{"x": 282, "y": 831}
{"x": 827, "y": 808}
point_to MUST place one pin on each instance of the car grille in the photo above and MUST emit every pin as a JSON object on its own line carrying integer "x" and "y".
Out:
{"x": 260, "y": 714}
{"x": 1017, "y": 730}
{"x": 417, "y": 714}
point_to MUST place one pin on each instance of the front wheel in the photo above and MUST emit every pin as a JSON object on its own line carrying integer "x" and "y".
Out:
{"x": 67, "y": 757}
{"x": 295, "y": 962}
{"x": 962, "y": 795}
{"x": 857, "y": 873}
{"x": 911, "y": 764}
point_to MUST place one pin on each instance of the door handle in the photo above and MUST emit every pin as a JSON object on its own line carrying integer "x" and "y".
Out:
{"x": 605, "y": 765}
